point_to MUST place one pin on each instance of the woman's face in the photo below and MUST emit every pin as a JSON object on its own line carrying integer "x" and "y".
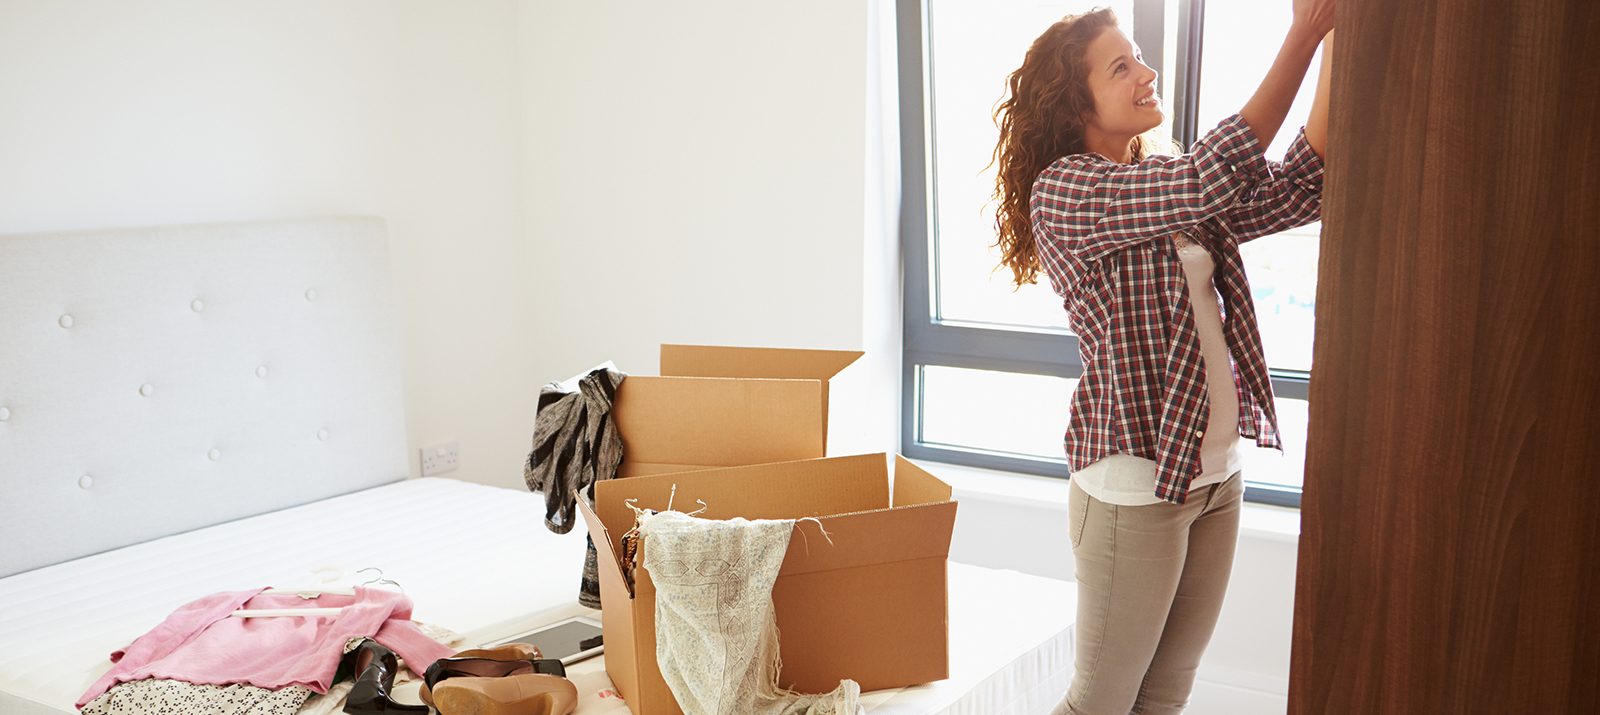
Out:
{"x": 1124, "y": 88}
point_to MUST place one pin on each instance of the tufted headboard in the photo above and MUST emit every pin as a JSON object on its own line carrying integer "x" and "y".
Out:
{"x": 159, "y": 380}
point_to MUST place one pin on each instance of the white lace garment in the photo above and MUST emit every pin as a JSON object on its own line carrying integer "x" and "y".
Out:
{"x": 716, "y": 631}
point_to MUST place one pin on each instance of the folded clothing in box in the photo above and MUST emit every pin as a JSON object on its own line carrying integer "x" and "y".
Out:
{"x": 865, "y": 602}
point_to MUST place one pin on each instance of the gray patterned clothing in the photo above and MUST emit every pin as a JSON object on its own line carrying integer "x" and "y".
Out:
{"x": 575, "y": 444}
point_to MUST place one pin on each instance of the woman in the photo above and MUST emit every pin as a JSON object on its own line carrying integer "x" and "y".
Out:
{"x": 1144, "y": 249}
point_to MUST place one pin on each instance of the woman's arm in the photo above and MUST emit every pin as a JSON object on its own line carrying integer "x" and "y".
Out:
{"x": 1270, "y": 104}
{"x": 1096, "y": 206}
{"x": 1292, "y": 195}
{"x": 1317, "y": 125}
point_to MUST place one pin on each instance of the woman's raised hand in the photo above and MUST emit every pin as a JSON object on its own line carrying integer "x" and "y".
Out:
{"x": 1313, "y": 20}
{"x": 1315, "y": 16}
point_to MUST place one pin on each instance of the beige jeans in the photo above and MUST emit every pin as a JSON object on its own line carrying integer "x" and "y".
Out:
{"x": 1150, "y": 585}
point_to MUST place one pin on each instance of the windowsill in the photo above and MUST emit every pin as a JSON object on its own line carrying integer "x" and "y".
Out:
{"x": 1261, "y": 521}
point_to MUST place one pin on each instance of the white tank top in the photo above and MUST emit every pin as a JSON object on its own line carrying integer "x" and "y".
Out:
{"x": 1127, "y": 480}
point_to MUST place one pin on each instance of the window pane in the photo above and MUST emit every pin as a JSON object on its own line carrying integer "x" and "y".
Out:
{"x": 1287, "y": 469}
{"x": 995, "y": 411}
{"x": 972, "y": 46}
{"x": 1283, "y": 282}
{"x": 1241, "y": 40}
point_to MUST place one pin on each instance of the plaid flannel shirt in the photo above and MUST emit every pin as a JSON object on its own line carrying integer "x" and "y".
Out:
{"x": 1102, "y": 230}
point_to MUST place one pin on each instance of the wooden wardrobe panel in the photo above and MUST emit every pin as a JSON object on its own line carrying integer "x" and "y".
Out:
{"x": 1450, "y": 523}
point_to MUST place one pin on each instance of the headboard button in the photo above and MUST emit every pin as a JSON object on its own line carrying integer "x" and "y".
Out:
{"x": 85, "y": 482}
{"x": 5, "y": 414}
{"x": 214, "y": 455}
{"x": 147, "y": 389}
{"x": 322, "y": 434}
{"x": 261, "y": 371}
{"x": 311, "y": 294}
{"x": 197, "y": 305}
{"x": 65, "y": 321}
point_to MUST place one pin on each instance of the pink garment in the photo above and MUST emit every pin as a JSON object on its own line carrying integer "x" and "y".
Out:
{"x": 201, "y": 643}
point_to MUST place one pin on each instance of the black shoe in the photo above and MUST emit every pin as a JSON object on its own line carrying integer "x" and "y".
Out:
{"x": 374, "y": 667}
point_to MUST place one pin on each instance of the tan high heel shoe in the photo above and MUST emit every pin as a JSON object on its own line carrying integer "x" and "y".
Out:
{"x": 508, "y": 652}
{"x": 526, "y": 694}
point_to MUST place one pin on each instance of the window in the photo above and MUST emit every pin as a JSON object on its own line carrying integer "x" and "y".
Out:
{"x": 989, "y": 370}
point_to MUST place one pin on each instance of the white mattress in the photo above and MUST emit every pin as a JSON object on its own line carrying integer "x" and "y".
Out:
{"x": 476, "y": 560}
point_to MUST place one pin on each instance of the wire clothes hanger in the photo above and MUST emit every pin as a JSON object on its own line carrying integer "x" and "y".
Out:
{"x": 311, "y": 593}
{"x": 380, "y": 579}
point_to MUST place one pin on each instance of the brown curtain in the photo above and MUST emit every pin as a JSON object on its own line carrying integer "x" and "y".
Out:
{"x": 1451, "y": 520}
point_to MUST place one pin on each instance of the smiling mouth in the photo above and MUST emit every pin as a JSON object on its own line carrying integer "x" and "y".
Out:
{"x": 1149, "y": 101}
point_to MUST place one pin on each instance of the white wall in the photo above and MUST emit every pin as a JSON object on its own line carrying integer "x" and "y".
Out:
{"x": 173, "y": 111}
{"x": 565, "y": 182}
{"x": 698, "y": 172}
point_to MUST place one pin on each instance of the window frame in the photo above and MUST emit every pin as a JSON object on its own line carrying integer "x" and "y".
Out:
{"x": 931, "y": 341}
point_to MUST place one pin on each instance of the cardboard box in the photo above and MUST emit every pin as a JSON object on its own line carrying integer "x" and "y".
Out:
{"x": 726, "y": 406}
{"x": 872, "y": 606}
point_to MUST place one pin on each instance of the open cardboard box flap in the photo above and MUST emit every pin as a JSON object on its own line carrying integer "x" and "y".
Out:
{"x": 718, "y": 406}
{"x": 778, "y": 363}
{"x": 679, "y": 424}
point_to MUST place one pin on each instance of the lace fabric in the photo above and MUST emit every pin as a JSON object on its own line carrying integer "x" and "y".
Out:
{"x": 716, "y": 630}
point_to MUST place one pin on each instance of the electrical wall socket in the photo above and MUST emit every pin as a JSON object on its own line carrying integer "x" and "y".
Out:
{"x": 440, "y": 458}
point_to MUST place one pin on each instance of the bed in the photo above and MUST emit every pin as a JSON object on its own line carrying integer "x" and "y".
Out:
{"x": 251, "y": 368}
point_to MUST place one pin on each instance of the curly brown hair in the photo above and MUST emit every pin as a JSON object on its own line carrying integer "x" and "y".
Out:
{"x": 1041, "y": 120}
